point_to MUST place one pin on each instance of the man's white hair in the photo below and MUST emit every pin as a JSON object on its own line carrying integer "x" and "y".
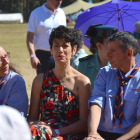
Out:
{"x": 12, "y": 125}
{"x": 137, "y": 25}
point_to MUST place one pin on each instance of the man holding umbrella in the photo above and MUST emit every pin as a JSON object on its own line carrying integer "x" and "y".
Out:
{"x": 115, "y": 100}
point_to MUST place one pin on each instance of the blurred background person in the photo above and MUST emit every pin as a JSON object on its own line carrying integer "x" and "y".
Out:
{"x": 12, "y": 86}
{"x": 91, "y": 64}
{"x": 42, "y": 20}
{"x": 80, "y": 51}
{"x": 137, "y": 35}
{"x": 60, "y": 94}
{"x": 12, "y": 125}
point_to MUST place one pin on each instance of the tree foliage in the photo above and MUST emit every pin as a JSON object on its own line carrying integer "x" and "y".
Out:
{"x": 26, "y": 6}
{"x": 11, "y": 6}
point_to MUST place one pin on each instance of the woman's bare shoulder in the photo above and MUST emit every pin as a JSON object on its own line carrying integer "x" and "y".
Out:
{"x": 83, "y": 85}
{"x": 38, "y": 80}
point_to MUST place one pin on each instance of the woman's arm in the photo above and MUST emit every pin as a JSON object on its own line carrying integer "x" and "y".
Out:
{"x": 83, "y": 88}
{"x": 132, "y": 132}
{"x": 35, "y": 99}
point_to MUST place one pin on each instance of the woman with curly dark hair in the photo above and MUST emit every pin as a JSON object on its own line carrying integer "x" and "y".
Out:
{"x": 60, "y": 94}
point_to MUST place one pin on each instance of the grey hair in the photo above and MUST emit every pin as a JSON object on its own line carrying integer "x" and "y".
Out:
{"x": 137, "y": 24}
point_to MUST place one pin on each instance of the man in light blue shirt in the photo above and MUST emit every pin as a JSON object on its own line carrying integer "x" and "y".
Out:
{"x": 115, "y": 101}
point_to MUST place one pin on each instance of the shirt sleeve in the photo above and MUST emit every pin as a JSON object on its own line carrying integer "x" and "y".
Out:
{"x": 138, "y": 108}
{"x": 32, "y": 23}
{"x": 98, "y": 93}
{"x": 18, "y": 98}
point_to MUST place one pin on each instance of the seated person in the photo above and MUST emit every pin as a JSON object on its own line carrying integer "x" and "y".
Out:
{"x": 115, "y": 100}
{"x": 91, "y": 64}
{"x": 60, "y": 94}
{"x": 12, "y": 86}
{"x": 12, "y": 125}
{"x": 80, "y": 51}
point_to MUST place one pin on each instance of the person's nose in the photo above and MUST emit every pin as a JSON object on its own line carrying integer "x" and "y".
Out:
{"x": 5, "y": 60}
{"x": 61, "y": 49}
{"x": 108, "y": 56}
{"x": 59, "y": 2}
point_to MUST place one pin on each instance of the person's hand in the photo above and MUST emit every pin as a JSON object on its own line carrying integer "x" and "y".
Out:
{"x": 34, "y": 62}
{"x": 94, "y": 137}
{"x": 50, "y": 130}
{"x": 37, "y": 122}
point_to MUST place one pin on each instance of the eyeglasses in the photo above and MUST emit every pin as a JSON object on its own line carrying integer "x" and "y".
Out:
{"x": 6, "y": 57}
{"x": 137, "y": 35}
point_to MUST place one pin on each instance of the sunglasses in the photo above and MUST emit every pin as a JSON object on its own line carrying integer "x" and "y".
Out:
{"x": 137, "y": 35}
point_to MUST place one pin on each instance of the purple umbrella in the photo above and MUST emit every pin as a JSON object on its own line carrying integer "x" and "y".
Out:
{"x": 120, "y": 14}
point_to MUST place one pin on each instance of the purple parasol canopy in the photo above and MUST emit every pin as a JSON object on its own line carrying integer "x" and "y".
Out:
{"x": 121, "y": 14}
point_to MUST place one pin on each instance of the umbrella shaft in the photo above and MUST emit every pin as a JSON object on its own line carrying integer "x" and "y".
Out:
{"x": 119, "y": 19}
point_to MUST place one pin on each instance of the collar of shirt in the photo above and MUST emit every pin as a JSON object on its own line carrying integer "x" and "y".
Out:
{"x": 128, "y": 73}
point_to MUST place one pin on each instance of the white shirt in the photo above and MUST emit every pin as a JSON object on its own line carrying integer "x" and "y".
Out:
{"x": 137, "y": 57}
{"x": 41, "y": 22}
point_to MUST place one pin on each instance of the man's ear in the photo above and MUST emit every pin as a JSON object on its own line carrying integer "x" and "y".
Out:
{"x": 98, "y": 45}
{"x": 74, "y": 50}
{"x": 129, "y": 53}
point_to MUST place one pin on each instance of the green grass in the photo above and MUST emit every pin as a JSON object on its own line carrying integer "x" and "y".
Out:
{"x": 13, "y": 39}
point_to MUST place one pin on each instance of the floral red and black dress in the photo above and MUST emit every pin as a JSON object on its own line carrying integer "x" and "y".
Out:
{"x": 59, "y": 108}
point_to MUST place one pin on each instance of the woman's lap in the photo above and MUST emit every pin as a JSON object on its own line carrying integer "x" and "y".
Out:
{"x": 40, "y": 133}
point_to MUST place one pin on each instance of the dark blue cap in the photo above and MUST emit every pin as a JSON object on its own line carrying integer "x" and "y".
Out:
{"x": 100, "y": 31}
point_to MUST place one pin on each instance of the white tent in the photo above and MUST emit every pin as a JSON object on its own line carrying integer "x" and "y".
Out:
{"x": 80, "y": 5}
{"x": 12, "y": 17}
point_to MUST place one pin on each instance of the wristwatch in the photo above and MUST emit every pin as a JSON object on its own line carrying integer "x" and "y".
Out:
{"x": 33, "y": 55}
{"x": 57, "y": 132}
